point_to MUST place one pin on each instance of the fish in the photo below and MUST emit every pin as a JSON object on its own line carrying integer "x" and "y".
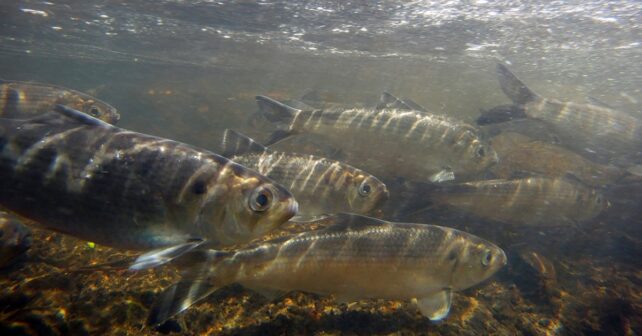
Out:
{"x": 22, "y": 100}
{"x": 531, "y": 201}
{"x": 388, "y": 143}
{"x": 356, "y": 257}
{"x": 520, "y": 154}
{"x": 81, "y": 176}
{"x": 320, "y": 185}
{"x": 598, "y": 130}
{"x": 15, "y": 239}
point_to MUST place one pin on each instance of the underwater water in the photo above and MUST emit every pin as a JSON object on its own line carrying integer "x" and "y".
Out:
{"x": 189, "y": 70}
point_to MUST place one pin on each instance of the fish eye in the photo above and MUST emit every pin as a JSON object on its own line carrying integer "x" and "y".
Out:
{"x": 487, "y": 258}
{"x": 481, "y": 152}
{"x": 261, "y": 199}
{"x": 364, "y": 189}
{"x": 199, "y": 187}
{"x": 94, "y": 111}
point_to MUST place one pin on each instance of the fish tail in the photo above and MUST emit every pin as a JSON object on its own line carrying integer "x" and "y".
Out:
{"x": 513, "y": 87}
{"x": 280, "y": 114}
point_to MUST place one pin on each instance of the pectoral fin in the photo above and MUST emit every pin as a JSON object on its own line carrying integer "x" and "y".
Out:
{"x": 177, "y": 298}
{"x": 162, "y": 256}
{"x": 437, "y": 306}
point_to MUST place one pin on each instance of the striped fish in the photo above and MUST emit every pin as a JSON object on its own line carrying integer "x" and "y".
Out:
{"x": 586, "y": 128}
{"x": 321, "y": 186}
{"x": 22, "y": 100}
{"x": 389, "y": 143}
{"x": 354, "y": 258}
{"x": 78, "y": 175}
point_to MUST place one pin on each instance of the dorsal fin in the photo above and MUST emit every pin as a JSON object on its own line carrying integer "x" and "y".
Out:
{"x": 414, "y": 105}
{"x": 389, "y": 101}
{"x": 79, "y": 116}
{"x": 235, "y": 143}
{"x": 297, "y": 104}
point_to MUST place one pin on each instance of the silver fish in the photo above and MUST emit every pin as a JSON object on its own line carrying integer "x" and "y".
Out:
{"x": 355, "y": 258}
{"x": 389, "y": 143}
{"x": 320, "y": 186}
{"x": 586, "y": 128}
{"x": 78, "y": 175}
{"x": 15, "y": 239}
{"x": 23, "y": 100}
{"x": 528, "y": 201}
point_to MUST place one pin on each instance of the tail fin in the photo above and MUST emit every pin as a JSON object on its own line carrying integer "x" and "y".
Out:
{"x": 514, "y": 88}
{"x": 275, "y": 111}
{"x": 235, "y": 143}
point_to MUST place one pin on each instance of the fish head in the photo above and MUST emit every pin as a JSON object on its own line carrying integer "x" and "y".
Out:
{"x": 96, "y": 108}
{"x": 475, "y": 260}
{"x": 476, "y": 157}
{"x": 242, "y": 205}
{"x": 366, "y": 193}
